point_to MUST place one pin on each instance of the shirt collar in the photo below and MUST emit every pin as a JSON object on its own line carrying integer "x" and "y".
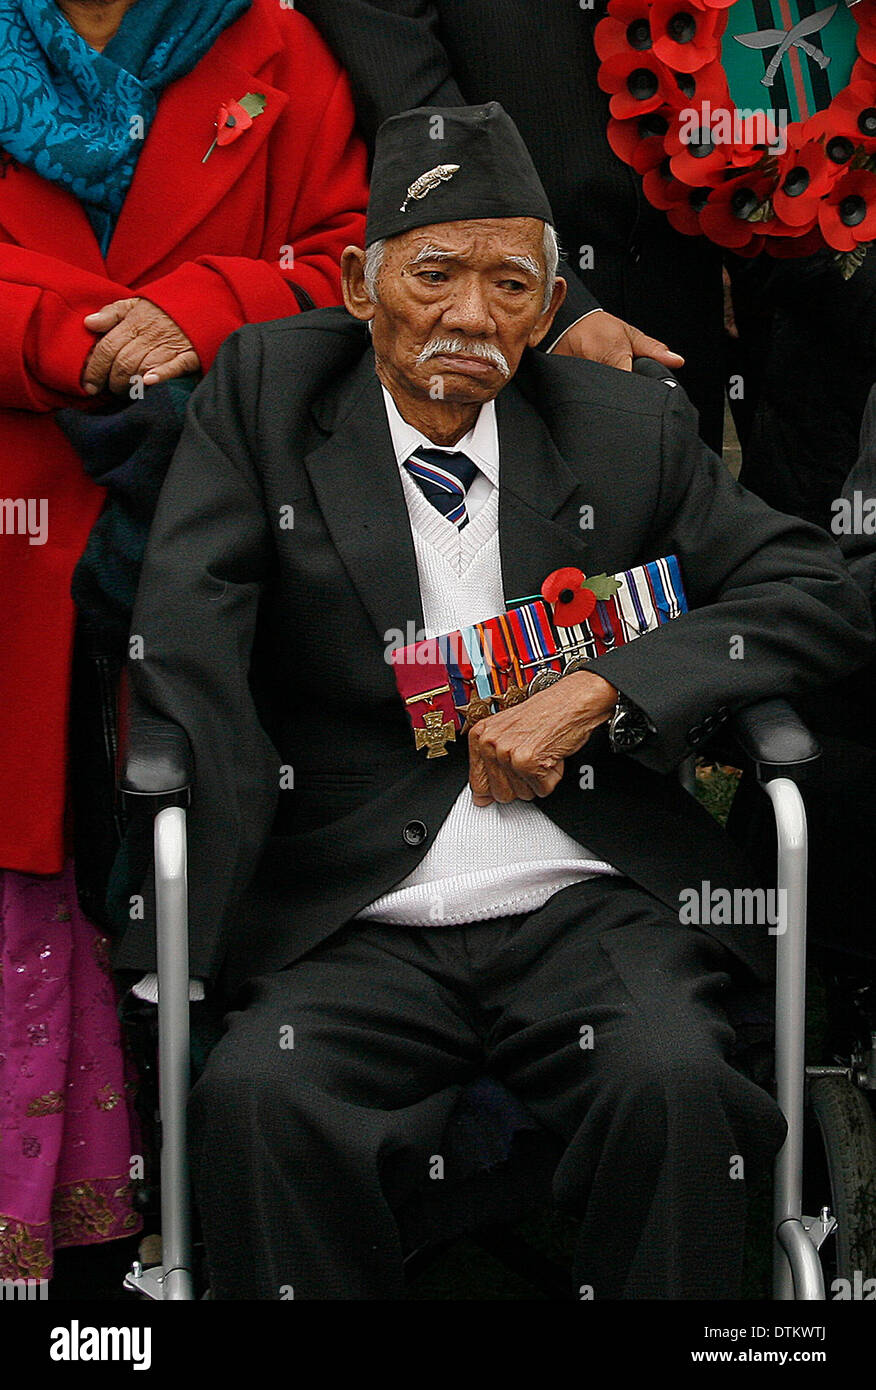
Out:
{"x": 481, "y": 443}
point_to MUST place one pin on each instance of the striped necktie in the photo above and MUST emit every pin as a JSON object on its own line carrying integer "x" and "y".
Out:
{"x": 444, "y": 480}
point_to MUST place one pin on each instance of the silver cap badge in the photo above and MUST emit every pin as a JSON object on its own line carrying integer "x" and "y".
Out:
{"x": 426, "y": 182}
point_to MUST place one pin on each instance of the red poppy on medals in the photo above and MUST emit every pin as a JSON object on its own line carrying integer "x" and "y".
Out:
{"x": 703, "y": 161}
{"x": 572, "y": 603}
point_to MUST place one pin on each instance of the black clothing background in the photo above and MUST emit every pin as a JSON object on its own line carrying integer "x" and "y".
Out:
{"x": 810, "y": 340}
{"x": 537, "y": 58}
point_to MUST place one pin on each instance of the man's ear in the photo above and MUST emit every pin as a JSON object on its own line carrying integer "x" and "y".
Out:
{"x": 543, "y": 323}
{"x": 356, "y": 297}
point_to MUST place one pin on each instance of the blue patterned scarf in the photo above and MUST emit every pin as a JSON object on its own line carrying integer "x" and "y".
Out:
{"x": 71, "y": 113}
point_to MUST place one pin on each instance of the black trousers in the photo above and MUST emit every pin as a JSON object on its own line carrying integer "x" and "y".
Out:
{"x": 664, "y": 1137}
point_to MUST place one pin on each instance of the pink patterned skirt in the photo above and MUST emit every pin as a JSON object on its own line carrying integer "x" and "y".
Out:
{"x": 67, "y": 1134}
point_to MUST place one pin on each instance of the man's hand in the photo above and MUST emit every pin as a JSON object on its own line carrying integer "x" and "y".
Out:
{"x": 138, "y": 339}
{"x": 601, "y": 337}
{"x": 519, "y": 753}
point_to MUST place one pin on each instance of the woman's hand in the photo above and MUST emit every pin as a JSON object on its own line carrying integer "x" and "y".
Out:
{"x": 138, "y": 339}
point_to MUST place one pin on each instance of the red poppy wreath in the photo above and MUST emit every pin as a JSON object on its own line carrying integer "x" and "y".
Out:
{"x": 752, "y": 122}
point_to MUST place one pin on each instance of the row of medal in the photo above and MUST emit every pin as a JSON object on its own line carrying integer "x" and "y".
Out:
{"x": 449, "y": 683}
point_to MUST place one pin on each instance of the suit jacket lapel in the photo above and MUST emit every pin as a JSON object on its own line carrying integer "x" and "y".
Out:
{"x": 358, "y": 487}
{"x": 357, "y": 484}
{"x": 170, "y": 167}
{"x": 539, "y": 527}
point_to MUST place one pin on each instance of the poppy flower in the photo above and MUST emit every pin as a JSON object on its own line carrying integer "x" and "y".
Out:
{"x": 695, "y": 159}
{"x": 625, "y": 27}
{"x": 852, "y": 114}
{"x": 707, "y": 84}
{"x": 637, "y": 83}
{"x": 639, "y": 141}
{"x": 847, "y": 216}
{"x": 803, "y": 178}
{"x": 685, "y": 35}
{"x": 684, "y": 216}
{"x": 662, "y": 188}
{"x": 571, "y": 602}
{"x": 727, "y": 216}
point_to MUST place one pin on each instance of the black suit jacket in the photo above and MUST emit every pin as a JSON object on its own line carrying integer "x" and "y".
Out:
{"x": 537, "y": 58}
{"x": 267, "y": 641}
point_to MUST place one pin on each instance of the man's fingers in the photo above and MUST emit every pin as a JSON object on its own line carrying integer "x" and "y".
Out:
{"x": 477, "y": 775}
{"x": 501, "y": 789}
{"x": 621, "y": 358}
{"x": 640, "y": 345}
{"x": 102, "y": 320}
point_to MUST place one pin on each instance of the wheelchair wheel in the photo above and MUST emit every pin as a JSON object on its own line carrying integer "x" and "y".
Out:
{"x": 844, "y": 1131}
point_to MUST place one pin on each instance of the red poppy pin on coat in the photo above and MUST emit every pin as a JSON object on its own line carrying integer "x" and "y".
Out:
{"x": 234, "y": 118}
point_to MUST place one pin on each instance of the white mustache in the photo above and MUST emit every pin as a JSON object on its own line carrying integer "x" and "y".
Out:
{"x": 450, "y": 346}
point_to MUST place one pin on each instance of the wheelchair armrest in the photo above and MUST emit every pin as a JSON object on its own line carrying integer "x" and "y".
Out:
{"x": 157, "y": 768}
{"x": 776, "y": 740}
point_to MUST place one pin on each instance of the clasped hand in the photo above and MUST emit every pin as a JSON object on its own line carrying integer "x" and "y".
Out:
{"x": 137, "y": 339}
{"x": 520, "y": 753}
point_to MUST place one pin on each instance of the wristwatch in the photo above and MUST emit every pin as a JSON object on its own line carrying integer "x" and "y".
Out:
{"x": 629, "y": 726}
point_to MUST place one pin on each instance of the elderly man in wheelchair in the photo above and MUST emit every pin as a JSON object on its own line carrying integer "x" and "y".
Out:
{"x": 439, "y": 615}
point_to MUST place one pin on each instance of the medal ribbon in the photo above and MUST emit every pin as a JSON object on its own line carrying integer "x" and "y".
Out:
{"x": 480, "y": 669}
{"x": 533, "y": 640}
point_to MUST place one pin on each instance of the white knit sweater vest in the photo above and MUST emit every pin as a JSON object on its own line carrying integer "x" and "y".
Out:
{"x": 486, "y": 861}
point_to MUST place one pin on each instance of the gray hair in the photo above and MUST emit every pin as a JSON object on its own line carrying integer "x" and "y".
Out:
{"x": 550, "y": 249}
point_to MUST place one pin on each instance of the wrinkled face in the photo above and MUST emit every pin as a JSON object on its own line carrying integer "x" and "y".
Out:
{"x": 458, "y": 303}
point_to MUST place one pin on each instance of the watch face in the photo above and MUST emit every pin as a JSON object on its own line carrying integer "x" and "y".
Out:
{"x": 628, "y": 728}
{"x": 626, "y": 737}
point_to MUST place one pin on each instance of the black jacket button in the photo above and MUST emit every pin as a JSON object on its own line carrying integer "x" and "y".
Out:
{"x": 414, "y": 832}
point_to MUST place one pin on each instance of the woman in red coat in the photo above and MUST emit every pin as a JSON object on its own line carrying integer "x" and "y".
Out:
{"x": 125, "y": 256}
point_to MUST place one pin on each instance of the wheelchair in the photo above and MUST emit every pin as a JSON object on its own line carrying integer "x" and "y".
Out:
{"x": 486, "y": 1200}
{"x": 499, "y": 1162}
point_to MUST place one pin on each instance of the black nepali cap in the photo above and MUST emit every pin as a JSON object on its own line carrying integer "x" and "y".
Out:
{"x": 451, "y": 164}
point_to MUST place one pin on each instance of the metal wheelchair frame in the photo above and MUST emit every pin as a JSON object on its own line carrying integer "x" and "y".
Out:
{"x": 158, "y": 777}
